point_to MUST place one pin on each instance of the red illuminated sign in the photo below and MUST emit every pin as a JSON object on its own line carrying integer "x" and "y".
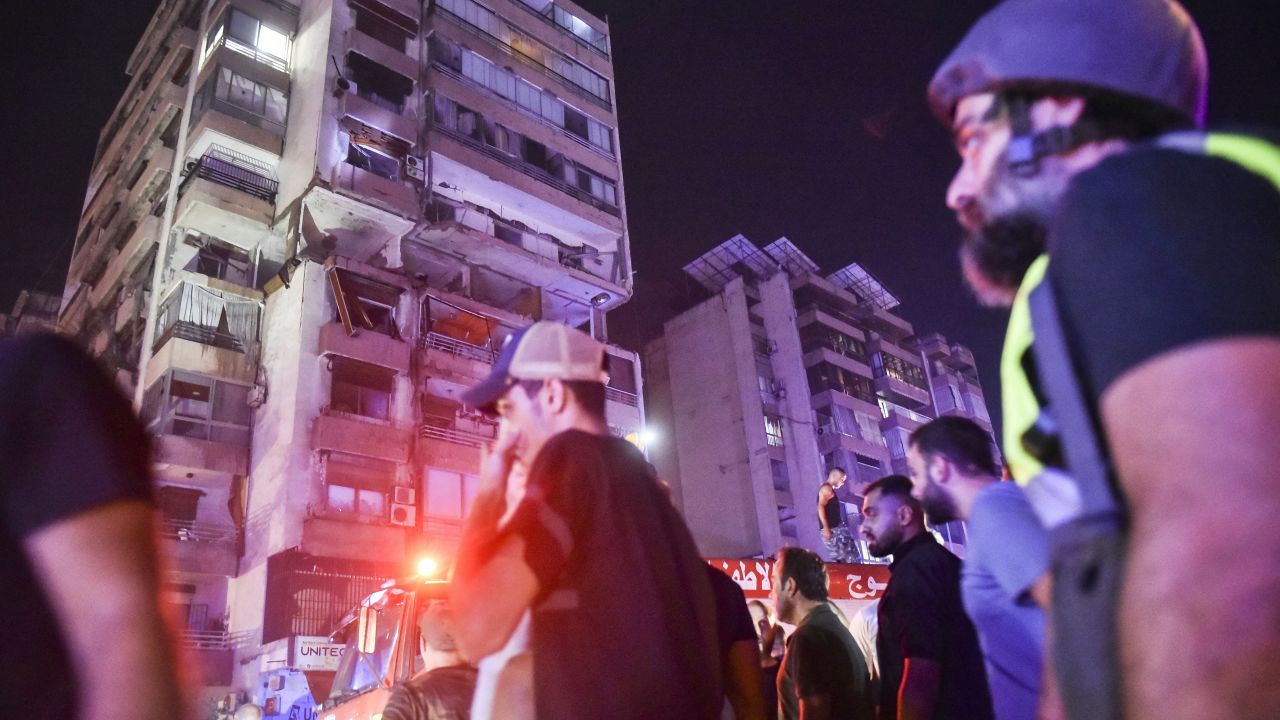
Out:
{"x": 847, "y": 582}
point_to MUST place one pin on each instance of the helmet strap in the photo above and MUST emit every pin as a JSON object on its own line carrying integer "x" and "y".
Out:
{"x": 1027, "y": 147}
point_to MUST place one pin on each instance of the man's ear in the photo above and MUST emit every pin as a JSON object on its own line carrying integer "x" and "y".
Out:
{"x": 938, "y": 468}
{"x": 557, "y": 395}
{"x": 905, "y": 514}
{"x": 1056, "y": 111}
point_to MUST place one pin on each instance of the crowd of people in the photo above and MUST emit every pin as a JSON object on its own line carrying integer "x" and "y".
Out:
{"x": 1140, "y": 389}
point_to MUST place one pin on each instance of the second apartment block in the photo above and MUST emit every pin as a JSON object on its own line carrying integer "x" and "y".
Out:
{"x": 309, "y": 225}
{"x": 782, "y": 374}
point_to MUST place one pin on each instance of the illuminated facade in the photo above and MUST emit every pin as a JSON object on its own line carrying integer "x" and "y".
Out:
{"x": 309, "y": 225}
{"x": 782, "y": 374}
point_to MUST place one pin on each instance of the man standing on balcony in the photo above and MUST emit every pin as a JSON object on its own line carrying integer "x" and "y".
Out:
{"x": 592, "y": 549}
{"x": 831, "y": 518}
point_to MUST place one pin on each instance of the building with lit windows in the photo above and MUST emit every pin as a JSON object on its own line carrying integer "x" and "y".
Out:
{"x": 782, "y": 374}
{"x": 308, "y": 226}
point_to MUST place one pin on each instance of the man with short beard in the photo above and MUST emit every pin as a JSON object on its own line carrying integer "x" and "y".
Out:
{"x": 930, "y": 664}
{"x": 1157, "y": 336}
{"x": 1005, "y": 578}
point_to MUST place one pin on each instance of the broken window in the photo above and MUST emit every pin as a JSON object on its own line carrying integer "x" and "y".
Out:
{"x": 361, "y": 389}
{"x": 773, "y": 430}
{"x": 357, "y": 485}
{"x": 365, "y": 304}
{"x": 378, "y": 163}
{"x": 217, "y": 259}
{"x": 377, "y": 83}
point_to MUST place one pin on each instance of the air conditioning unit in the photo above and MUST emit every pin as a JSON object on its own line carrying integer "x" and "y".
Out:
{"x": 405, "y": 495}
{"x": 404, "y": 515}
{"x": 413, "y": 168}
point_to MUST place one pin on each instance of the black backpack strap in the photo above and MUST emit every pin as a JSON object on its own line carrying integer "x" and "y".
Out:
{"x": 1088, "y": 551}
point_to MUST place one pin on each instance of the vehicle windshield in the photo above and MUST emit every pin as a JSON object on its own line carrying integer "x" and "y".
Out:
{"x": 359, "y": 671}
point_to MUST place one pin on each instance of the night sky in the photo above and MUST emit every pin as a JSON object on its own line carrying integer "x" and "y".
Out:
{"x": 803, "y": 119}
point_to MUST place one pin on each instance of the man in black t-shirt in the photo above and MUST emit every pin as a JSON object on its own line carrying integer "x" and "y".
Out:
{"x": 83, "y": 636}
{"x": 930, "y": 663}
{"x": 823, "y": 672}
{"x": 1084, "y": 171}
{"x": 623, "y": 616}
{"x": 739, "y": 648}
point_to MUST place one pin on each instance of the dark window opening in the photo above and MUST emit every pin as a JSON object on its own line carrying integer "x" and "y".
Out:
{"x": 380, "y": 29}
{"x": 361, "y": 389}
{"x": 377, "y": 83}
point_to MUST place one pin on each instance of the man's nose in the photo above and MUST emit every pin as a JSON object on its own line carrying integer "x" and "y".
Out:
{"x": 961, "y": 191}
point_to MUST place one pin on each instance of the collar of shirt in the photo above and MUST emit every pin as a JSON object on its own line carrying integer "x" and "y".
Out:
{"x": 905, "y": 548}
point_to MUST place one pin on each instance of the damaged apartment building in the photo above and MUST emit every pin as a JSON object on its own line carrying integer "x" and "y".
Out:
{"x": 308, "y": 226}
{"x": 815, "y": 371}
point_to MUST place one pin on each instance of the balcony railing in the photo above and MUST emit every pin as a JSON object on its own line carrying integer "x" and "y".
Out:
{"x": 214, "y": 639}
{"x": 230, "y": 168}
{"x": 201, "y": 532}
{"x": 531, "y": 170}
{"x": 453, "y": 346}
{"x": 621, "y": 396}
{"x": 197, "y": 313}
{"x": 465, "y": 438}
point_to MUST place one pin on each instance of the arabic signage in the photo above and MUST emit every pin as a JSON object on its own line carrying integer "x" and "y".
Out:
{"x": 846, "y": 582}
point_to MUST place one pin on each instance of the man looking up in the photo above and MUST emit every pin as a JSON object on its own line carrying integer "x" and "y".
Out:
{"x": 1155, "y": 308}
{"x": 593, "y": 548}
{"x": 831, "y": 519}
{"x": 823, "y": 675}
{"x": 1005, "y": 578}
{"x": 930, "y": 664}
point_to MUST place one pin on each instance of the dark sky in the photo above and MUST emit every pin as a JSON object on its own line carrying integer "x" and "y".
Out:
{"x": 797, "y": 118}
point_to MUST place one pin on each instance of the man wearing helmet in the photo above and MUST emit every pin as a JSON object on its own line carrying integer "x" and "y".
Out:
{"x": 1155, "y": 331}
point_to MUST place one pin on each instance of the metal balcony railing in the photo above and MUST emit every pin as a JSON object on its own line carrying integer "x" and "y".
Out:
{"x": 621, "y": 396}
{"x": 213, "y": 639}
{"x": 234, "y": 170}
{"x": 532, "y": 171}
{"x": 457, "y": 437}
{"x": 453, "y": 346}
{"x": 203, "y": 532}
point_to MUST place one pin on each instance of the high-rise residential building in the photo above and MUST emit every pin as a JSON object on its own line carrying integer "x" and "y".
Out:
{"x": 33, "y": 311}
{"x": 782, "y": 374}
{"x": 309, "y": 225}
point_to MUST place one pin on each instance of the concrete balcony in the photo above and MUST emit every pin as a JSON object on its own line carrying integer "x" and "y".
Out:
{"x": 382, "y": 54}
{"x": 454, "y": 360}
{"x": 352, "y": 434}
{"x": 961, "y": 358}
{"x": 128, "y": 258}
{"x": 228, "y": 201}
{"x": 228, "y": 126}
{"x": 901, "y": 392}
{"x": 391, "y": 195}
{"x": 336, "y": 537}
{"x": 827, "y": 355}
{"x": 934, "y": 346}
{"x": 366, "y": 346}
{"x": 195, "y": 455}
{"x": 403, "y": 125}
{"x": 898, "y": 419}
{"x": 450, "y": 449}
{"x": 209, "y": 655}
{"x": 185, "y": 353}
{"x": 199, "y": 547}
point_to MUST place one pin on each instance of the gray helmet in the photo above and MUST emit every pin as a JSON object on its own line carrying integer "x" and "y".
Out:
{"x": 1146, "y": 49}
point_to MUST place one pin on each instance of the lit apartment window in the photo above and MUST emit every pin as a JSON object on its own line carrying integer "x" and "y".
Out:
{"x": 449, "y": 494}
{"x": 825, "y": 376}
{"x": 364, "y": 304}
{"x": 898, "y": 369}
{"x": 570, "y": 23}
{"x": 773, "y": 430}
{"x": 360, "y": 389}
{"x": 358, "y": 486}
{"x": 247, "y": 35}
{"x": 190, "y": 405}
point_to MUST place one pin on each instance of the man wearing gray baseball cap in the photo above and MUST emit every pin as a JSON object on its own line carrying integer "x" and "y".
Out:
{"x": 623, "y": 618}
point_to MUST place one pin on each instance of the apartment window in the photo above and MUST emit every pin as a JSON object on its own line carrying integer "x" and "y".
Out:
{"x": 364, "y": 304}
{"x": 449, "y": 494}
{"x": 190, "y": 405}
{"x": 247, "y": 35}
{"x": 360, "y": 389}
{"x": 773, "y": 430}
{"x": 377, "y": 83}
{"x": 358, "y": 486}
{"x": 826, "y": 376}
{"x": 219, "y": 260}
{"x": 600, "y": 187}
{"x": 898, "y": 369}
{"x": 260, "y": 102}
{"x": 570, "y": 23}
{"x": 380, "y": 29}
{"x": 366, "y": 157}
{"x": 815, "y": 336}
